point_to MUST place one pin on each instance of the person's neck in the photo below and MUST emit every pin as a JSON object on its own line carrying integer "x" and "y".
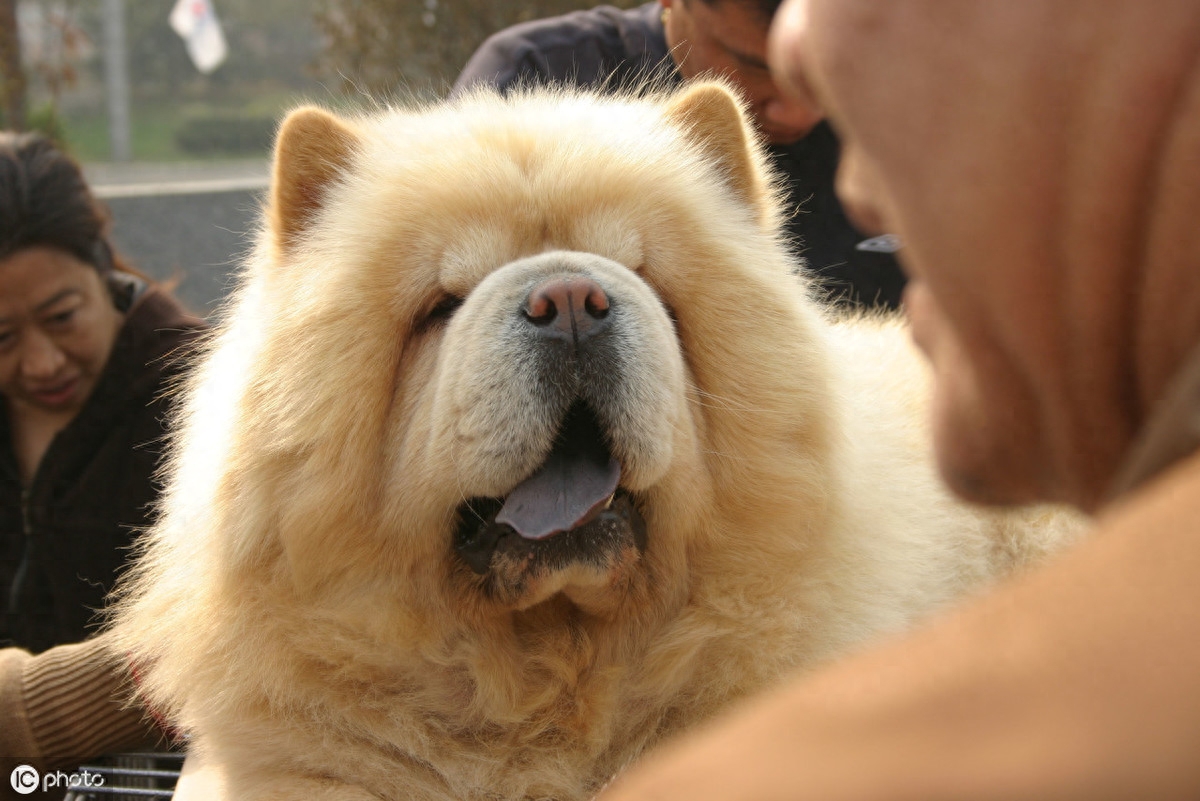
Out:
{"x": 1167, "y": 307}
{"x": 1133, "y": 244}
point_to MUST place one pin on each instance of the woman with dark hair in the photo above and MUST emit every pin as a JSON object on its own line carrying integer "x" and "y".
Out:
{"x": 87, "y": 349}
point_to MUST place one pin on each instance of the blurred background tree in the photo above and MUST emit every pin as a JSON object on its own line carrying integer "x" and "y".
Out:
{"x": 280, "y": 53}
{"x": 178, "y": 113}
{"x": 381, "y": 47}
{"x": 12, "y": 71}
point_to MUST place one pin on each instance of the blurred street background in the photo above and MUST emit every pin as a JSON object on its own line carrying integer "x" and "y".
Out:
{"x": 171, "y": 105}
{"x": 187, "y": 223}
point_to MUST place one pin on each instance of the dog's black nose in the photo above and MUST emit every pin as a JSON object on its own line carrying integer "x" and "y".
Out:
{"x": 567, "y": 307}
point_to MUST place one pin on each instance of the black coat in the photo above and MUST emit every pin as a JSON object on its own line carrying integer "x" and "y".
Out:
{"x": 63, "y": 541}
{"x": 623, "y": 50}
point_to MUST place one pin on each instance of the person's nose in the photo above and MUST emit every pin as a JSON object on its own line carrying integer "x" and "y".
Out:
{"x": 792, "y": 113}
{"x": 786, "y": 43}
{"x": 41, "y": 358}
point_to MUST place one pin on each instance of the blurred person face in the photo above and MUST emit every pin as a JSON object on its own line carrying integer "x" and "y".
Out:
{"x": 58, "y": 325}
{"x": 1000, "y": 142}
{"x": 729, "y": 38}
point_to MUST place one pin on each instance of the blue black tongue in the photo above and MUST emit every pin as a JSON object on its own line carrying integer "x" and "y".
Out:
{"x": 571, "y": 487}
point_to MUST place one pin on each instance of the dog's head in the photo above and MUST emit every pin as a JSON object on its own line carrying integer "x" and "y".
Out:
{"x": 502, "y": 357}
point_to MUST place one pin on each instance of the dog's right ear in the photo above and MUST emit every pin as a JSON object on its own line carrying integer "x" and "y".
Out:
{"x": 313, "y": 148}
{"x": 711, "y": 115}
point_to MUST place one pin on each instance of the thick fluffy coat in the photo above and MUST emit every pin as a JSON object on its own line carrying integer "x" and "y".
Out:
{"x": 457, "y": 307}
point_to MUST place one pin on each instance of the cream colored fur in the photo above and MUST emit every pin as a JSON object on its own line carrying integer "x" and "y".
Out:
{"x": 299, "y": 608}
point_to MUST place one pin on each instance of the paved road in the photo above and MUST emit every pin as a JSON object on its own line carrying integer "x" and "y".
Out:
{"x": 189, "y": 222}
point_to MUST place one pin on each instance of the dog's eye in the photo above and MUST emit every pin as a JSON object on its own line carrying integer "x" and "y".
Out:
{"x": 442, "y": 311}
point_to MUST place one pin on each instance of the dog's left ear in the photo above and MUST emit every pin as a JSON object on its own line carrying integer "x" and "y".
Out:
{"x": 711, "y": 116}
{"x": 312, "y": 150}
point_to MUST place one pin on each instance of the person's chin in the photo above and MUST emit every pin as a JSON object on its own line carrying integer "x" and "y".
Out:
{"x": 970, "y": 485}
{"x": 979, "y": 484}
{"x": 962, "y": 463}
{"x": 981, "y": 453}
{"x": 60, "y": 397}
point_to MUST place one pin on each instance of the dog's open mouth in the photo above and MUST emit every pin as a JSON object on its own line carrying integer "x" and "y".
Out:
{"x": 571, "y": 509}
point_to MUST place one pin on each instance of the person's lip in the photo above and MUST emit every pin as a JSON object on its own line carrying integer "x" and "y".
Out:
{"x": 60, "y": 393}
{"x": 863, "y": 216}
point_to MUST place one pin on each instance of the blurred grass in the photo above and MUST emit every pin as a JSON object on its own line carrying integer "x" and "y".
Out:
{"x": 154, "y": 126}
{"x": 152, "y": 135}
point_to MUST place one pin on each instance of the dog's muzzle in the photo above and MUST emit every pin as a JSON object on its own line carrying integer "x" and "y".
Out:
{"x": 570, "y": 509}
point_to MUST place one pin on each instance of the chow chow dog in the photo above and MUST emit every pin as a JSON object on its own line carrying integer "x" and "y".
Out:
{"x": 520, "y": 449}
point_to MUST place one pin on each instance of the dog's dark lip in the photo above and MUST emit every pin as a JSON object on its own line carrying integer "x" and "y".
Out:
{"x": 478, "y": 537}
{"x": 565, "y": 511}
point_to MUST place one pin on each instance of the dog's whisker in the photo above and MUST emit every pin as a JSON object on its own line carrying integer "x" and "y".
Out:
{"x": 699, "y": 398}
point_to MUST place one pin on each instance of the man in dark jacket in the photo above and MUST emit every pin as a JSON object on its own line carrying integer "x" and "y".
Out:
{"x": 674, "y": 40}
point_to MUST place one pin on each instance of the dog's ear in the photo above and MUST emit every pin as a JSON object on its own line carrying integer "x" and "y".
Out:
{"x": 313, "y": 148}
{"x": 710, "y": 115}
